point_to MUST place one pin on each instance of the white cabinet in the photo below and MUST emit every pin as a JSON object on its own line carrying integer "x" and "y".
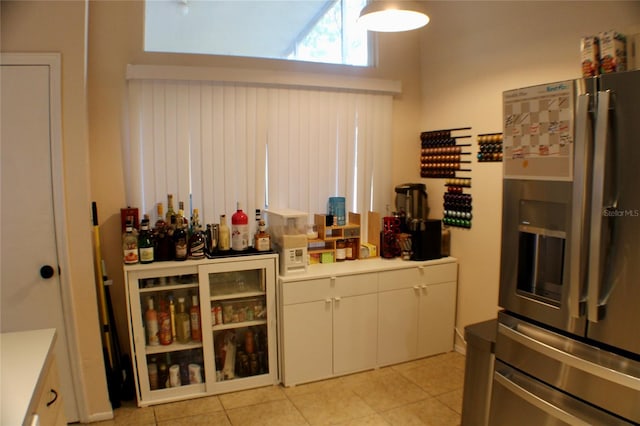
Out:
{"x": 328, "y": 327}
{"x": 341, "y": 318}
{"x": 234, "y": 312}
{"x": 417, "y": 312}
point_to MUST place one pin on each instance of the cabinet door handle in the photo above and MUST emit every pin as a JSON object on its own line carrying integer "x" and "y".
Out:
{"x": 55, "y": 397}
{"x": 337, "y": 298}
{"x": 424, "y": 286}
{"x": 416, "y": 287}
{"x": 327, "y": 301}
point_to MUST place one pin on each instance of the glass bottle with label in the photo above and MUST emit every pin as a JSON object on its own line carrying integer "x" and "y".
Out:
{"x": 262, "y": 240}
{"x": 183, "y": 323}
{"x": 239, "y": 230}
{"x": 130, "y": 245}
{"x": 224, "y": 242}
{"x": 145, "y": 242}
{"x": 151, "y": 324}
{"x": 164, "y": 323}
{"x": 194, "y": 313}
{"x": 197, "y": 240}
{"x": 180, "y": 238}
{"x": 170, "y": 211}
{"x": 341, "y": 251}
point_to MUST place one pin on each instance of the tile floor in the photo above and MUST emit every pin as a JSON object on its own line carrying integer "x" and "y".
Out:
{"x": 422, "y": 392}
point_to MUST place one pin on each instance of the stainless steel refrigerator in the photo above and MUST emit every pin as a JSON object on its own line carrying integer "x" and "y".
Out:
{"x": 568, "y": 342}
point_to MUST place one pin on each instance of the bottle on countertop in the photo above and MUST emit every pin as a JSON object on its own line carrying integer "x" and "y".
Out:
{"x": 172, "y": 315}
{"x": 180, "y": 238}
{"x": 130, "y": 245}
{"x": 262, "y": 241}
{"x": 224, "y": 236}
{"x": 239, "y": 230}
{"x": 194, "y": 314}
{"x": 145, "y": 242}
{"x": 197, "y": 240}
{"x": 183, "y": 218}
{"x": 170, "y": 211}
{"x": 151, "y": 324}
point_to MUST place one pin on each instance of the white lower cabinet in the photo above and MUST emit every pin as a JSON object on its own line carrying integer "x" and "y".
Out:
{"x": 381, "y": 312}
{"x": 328, "y": 327}
{"x": 417, "y": 312}
{"x": 229, "y": 342}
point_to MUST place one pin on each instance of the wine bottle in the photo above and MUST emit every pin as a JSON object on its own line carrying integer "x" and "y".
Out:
{"x": 224, "y": 241}
{"x": 151, "y": 323}
{"x": 170, "y": 211}
{"x": 194, "y": 314}
{"x": 197, "y": 240}
{"x": 130, "y": 245}
{"x": 145, "y": 242}
{"x": 239, "y": 230}
{"x": 183, "y": 322}
{"x": 180, "y": 239}
{"x": 172, "y": 315}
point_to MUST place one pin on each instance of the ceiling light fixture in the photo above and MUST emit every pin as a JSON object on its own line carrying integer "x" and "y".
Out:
{"x": 393, "y": 16}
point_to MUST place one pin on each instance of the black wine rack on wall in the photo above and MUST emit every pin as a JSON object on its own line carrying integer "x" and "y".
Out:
{"x": 443, "y": 156}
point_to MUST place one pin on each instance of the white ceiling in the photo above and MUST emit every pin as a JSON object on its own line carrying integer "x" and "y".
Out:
{"x": 260, "y": 28}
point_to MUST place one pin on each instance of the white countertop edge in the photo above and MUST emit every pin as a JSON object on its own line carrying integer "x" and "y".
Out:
{"x": 23, "y": 354}
{"x": 359, "y": 266}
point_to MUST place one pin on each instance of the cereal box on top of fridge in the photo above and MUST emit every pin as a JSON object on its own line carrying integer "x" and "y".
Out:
{"x": 613, "y": 52}
{"x": 590, "y": 53}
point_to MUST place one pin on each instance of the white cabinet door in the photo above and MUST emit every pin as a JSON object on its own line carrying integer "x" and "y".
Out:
{"x": 307, "y": 345}
{"x": 355, "y": 333}
{"x": 398, "y": 325}
{"x": 437, "y": 319}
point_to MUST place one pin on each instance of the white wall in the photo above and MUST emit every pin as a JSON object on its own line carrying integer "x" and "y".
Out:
{"x": 471, "y": 52}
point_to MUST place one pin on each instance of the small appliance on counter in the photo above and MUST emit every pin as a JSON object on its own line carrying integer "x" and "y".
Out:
{"x": 411, "y": 201}
{"x": 288, "y": 229}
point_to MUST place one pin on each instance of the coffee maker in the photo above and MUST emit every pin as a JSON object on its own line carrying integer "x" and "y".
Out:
{"x": 412, "y": 210}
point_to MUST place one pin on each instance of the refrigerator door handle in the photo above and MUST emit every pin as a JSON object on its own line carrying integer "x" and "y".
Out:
{"x": 520, "y": 334}
{"x": 580, "y": 213}
{"x": 549, "y": 408}
{"x": 596, "y": 254}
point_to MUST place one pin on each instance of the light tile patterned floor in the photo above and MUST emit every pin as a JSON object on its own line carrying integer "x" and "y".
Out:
{"x": 423, "y": 392}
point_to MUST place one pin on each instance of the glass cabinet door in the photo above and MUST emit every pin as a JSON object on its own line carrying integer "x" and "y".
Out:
{"x": 166, "y": 317}
{"x": 241, "y": 332}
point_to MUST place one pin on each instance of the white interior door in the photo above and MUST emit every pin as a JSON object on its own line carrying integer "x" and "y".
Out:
{"x": 30, "y": 294}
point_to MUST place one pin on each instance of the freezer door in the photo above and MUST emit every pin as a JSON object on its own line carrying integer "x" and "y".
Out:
{"x": 518, "y": 399}
{"x": 599, "y": 377}
{"x": 614, "y": 264}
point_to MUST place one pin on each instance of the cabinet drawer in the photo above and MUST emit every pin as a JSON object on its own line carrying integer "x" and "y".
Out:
{"x": 419, "y": 275}
{"x": 49, "y": 405}
{"x": 306, "y": 291}
{"x": 353, "y": 285}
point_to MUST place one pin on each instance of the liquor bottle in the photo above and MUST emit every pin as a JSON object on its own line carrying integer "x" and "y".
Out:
{"x": 224, "y": 243}
{"x": 262, "y": 241}
{"x": 183, "y": 218}
{"x": 172, "y": 315}
{"x": 151, "y": 323}
{"x": 183, "y": 322}
{"x": 130, "y": 245}
{"x": 239, "y": 230}
{"x": 197, "y": 240}
{"x": 180, "y": 239}
{"x": 160, "y": 222}
{"x": 145, "y": 242}
{"x": 170, "y": 211}
{"x": 164, "y": 324}
{"x": 170, "y": 232}
{"x": 194, "y": 314}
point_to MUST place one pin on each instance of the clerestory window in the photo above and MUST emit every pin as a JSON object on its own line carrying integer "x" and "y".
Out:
{"x": 302, "y": 30}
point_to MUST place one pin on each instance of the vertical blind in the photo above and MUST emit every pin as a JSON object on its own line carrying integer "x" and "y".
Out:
{"x": 213, "y": 144}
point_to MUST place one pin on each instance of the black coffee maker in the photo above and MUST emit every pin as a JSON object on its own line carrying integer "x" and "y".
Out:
{"x": 412, "y": 209}
{"x": 426, "y": 238}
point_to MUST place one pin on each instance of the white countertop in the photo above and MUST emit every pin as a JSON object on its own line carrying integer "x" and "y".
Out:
{"x": 360, "y": 266}
{"x": 22, "y": 357}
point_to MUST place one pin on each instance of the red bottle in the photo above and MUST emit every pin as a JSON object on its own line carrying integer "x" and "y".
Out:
{"x": 239, "y": 230}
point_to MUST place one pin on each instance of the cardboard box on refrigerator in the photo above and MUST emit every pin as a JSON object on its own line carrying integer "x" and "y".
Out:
{"x": 613, "y": 52}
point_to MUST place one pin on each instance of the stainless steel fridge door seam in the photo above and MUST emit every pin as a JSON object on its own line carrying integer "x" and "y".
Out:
{"x": 596, "y": 254}
{"x": 542, "y": 403}
{"x": 581, "y": 195}
{"x": 584, "y": 362}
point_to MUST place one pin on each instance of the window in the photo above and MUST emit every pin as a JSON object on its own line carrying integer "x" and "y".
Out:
{"x": 213, "y": 142}
{"x": 306, "y": 30}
